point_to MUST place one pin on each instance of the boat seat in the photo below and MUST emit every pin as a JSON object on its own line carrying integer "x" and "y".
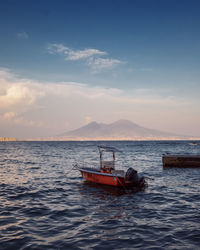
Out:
{"x": 118, "y": 172}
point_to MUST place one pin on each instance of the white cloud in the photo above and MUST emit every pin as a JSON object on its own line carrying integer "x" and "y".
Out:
{"x": 99, "y": 64}
{"x": 56, "y": 48}
{"x": 22, "y": 35}
{"x": 53, "y": 108}
{"x": 91, "y": 56}
{"x": 73, "y": 55}
{"x": 88, "y": 119}
{"x": 16, "y": 92}
{"x": 83, "y": 54}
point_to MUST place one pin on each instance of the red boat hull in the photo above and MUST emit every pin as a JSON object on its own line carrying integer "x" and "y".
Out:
{"x": 106, "y": 179}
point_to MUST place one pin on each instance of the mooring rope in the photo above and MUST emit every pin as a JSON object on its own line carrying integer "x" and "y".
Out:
{"x": 75, "y": 166}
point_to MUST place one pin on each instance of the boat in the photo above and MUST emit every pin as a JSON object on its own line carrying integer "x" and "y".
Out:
{"x": 193, "y": 144}
{"x": 107, "y": 174}
{"x": 181, "y": 161}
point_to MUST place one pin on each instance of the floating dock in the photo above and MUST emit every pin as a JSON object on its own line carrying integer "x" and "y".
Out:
{"x": 181, "y": 161}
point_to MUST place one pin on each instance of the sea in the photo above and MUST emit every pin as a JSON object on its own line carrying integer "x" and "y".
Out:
{"x": 45, "y": 203}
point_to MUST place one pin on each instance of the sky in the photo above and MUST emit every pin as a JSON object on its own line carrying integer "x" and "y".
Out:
{"x": 64, "y": 64}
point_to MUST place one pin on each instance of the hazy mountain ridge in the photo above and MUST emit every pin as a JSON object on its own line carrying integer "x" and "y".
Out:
{"x": 119, "y": 130}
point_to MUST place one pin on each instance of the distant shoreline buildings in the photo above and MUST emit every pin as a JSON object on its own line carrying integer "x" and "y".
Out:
{"x": 2, "y": 139}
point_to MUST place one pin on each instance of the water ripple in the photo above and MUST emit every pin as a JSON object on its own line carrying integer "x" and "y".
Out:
{"x": 42, "y": 207}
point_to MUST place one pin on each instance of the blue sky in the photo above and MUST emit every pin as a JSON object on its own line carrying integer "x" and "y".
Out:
{"x": 141, "y": 50}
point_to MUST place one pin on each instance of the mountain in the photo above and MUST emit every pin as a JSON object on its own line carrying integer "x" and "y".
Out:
{"x": 119, "y": 130}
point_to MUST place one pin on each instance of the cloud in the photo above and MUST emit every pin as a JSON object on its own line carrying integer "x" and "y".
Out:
{"x": 15, "y": 92}
{"x": 30, "y": 108}
{"x": 8, "y": 115}
{"x": 82, "y": 54}
{"x": 92, "y": 57}
{"x": 73, "y": 55}
{"x": 22, "y": 35}
{"x": 99, "y": 64}
{"x": 13, "y": 119}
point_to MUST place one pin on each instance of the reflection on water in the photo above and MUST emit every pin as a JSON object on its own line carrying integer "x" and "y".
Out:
{"x": 99, "y": 190}
{"x": 43, "y": 205}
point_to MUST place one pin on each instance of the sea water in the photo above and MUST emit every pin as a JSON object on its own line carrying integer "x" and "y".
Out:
{"x": 45, "y": 204}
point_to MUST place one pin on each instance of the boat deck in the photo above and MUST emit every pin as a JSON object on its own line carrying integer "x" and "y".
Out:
{"x": 117, "y": 173}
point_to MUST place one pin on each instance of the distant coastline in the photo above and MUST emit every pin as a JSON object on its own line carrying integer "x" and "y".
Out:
{"x": 110, "y": 139}
{"x": 2, "y": 139}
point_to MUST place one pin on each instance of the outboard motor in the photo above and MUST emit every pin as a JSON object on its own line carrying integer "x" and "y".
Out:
{"x": 133, "y": 176}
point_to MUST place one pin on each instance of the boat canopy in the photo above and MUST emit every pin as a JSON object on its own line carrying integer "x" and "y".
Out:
{"x": 108, "y": 149}
{"x": 109, "y": 165}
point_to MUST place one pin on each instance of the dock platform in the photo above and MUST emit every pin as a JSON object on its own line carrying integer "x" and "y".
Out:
{"x": 181, "y": 161}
